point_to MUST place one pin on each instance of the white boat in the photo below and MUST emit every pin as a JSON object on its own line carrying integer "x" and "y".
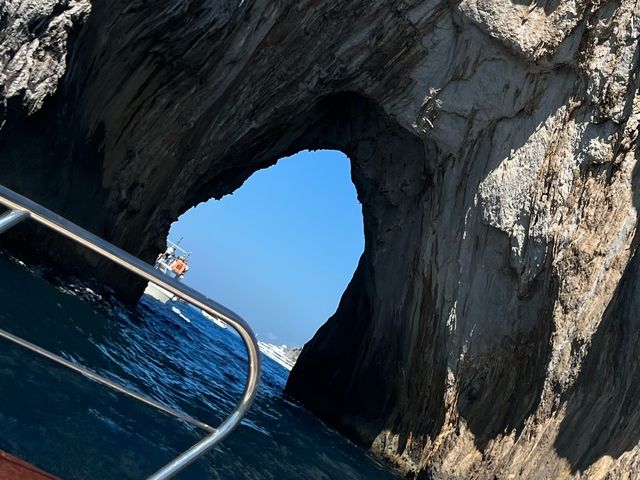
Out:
{"x": 180, "y": 314}
{"x": 158, "y": 293}
{"x": 277, "y": 354}
{"x": 215, "y": 320}
{"x": 173, "y": 266}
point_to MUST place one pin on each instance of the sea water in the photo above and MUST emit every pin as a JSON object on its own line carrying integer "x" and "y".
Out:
{"x": 75, "y": 428}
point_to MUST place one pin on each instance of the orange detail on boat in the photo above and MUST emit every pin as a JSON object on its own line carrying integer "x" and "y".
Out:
{"x": 12, "y": 468}
{"x": 179, "y": 267}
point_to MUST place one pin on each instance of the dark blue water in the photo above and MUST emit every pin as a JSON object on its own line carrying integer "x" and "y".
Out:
{"x": 77, "y": 429}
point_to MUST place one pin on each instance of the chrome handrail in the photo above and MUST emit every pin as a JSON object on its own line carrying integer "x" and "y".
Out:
{"x": 21, "y": 208}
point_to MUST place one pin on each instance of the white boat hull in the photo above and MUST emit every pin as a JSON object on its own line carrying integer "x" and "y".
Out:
{"x": 158, "y": 293}
{"x": 215, "y": 320}
{"x": 276, "y": 354}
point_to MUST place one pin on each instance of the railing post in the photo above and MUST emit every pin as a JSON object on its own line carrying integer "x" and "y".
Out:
{"x": 11, "y": 218}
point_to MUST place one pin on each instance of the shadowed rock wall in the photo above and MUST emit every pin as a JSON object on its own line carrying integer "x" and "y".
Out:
{"x": 490, "y": 328}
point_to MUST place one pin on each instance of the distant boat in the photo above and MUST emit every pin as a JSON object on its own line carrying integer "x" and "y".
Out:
{"x": 180, "y": 314}
{"x": 174, "y": 263}
{"x": 277, "y": 354}
{"x": 215, "y": 320}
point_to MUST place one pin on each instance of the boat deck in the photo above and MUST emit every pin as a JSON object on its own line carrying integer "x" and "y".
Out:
{"x": 12, "y": 468}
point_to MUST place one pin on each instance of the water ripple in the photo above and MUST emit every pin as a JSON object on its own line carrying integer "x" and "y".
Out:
{"x": 78, "y": 429}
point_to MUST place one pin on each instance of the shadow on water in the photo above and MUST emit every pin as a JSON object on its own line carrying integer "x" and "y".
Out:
{"x": 76, "y": 429}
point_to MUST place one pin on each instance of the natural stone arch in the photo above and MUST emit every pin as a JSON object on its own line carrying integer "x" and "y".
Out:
{"x": 493, "y": 144}
{"x": 390, "y": 169}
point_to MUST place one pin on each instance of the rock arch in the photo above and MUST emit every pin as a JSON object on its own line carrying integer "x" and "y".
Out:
{"x": 494, "y": 151}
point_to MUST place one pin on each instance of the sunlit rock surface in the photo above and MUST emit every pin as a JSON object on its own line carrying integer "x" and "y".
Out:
{"x": 492, "y": 326}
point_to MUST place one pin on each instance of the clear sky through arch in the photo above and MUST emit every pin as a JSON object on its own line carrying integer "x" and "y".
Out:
{"x": 281, "y": 249}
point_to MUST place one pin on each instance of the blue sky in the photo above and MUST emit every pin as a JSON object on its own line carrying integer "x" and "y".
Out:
{"x": 282, "y": 248}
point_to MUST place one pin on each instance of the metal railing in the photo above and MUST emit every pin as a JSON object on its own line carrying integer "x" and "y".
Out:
{"x": 21, "y": 208}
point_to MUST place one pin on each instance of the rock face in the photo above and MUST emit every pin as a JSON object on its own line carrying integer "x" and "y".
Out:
{"x": 491, "y": 328}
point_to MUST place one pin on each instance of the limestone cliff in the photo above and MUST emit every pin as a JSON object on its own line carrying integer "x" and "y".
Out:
{"x": 491, "y": 328}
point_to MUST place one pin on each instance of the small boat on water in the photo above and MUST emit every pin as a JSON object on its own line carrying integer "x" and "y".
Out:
{"x": 215, "y": 320}
{"x": 277, "y": 354}
{"x": 180, "y": 314}
{"x": 174, "y": 263}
